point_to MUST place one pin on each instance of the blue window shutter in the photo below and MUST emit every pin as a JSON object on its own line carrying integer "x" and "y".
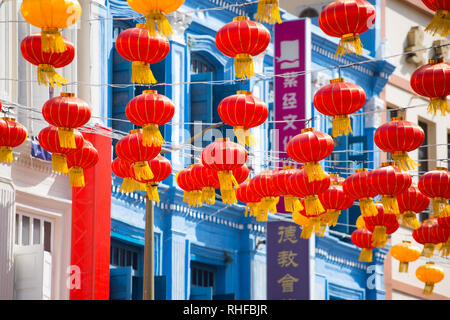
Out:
{"x": 120, "y": 283}
{"x": 160, "y": 288}
{"x": 201, "y": 293}
{"x": 201, "y": 98}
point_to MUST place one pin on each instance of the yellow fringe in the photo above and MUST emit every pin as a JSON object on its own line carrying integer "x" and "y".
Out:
{"x": 440, "y": 24}
{"x": 151, "y": 136}
{"x": 428, "y": 289}
{"x": 367, "y": 207}
{"x": 76, "y": 177}
{"x": 128, "y": 185}
{"x": 379, "y": 237}
{"x": 194, "y": 198}
{"x": 228, "y": 196}
{"x": 152, "y": 192}
{"x": 251, "y": 209}
{"x": 142, "y": 171}
{"x": 404, "y": 162}
{"x": 439, "y": 207}
{"x": 243, "y": 65}
{"x": 403, "y": 267}
{"x": 6, "y": 154}
{"x": 52, "y": 41}
{"x": 209, "y": 195}
{"x": 268, "y": 11}
{"x": 244, "y": 136}
{"x": 141, "y": 73}
{"x": 360, "y": 223}
{"x": 59, "y": 163}
{"x": 228, "y": 184}
{"x": 292, "y": 204}
{"x": 312, "y": 226}
{"x": 428, "y": 250}
{"x": 157, "y": 21}
{"x": 342, "y": 125}
{"x": 366, "y": 255}
{"x": 66, "y": 138}
{"x": 348, "y": 44}
{"x": 390, "y": 204}
{"x": 445, "y": 249}
{"x": 409, "y": 218}
{"x": 314, "y": 171}
{"x": 46, "y": 75}
{"x": 322, "y": 228}
{"x": 333, "y": 217}
{"x": 313, "y": 206}
{"x": 438, "y": 104}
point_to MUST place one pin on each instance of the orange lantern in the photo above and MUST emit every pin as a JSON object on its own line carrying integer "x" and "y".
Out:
{"x": 405, "y": 252}
{"x": 12, "y": 134}
{"x": 431, "y": 274}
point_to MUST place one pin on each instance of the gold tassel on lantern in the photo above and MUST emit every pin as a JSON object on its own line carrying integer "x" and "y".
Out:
{"x": 52, "y": 41}
{"x": 367, "y": 207}
{"x": 128, "y": 185}
{"x": 404, "y": 162}
{"x": 348, "y": 43}
{"x": 322, "y": 227}
{"x": 439, "y": 207}
{"x": 243, "y": 65}
{"x": 410, "y": 219}
{"x": 428, "y": 289}
{"x": 193, "y": 198}
{"x": 312, "y": 226}
{"x": 440, "y": 24}
{"x": 438, "y": 104}
{"x": 6, "y": 155}
{"x": 333, "y": 217}
{"x": 268, "y": 11}
{"x": 403, "y": 267}
{"x": 151, "y": 136}
{"x": 379, "y": 237}
{"x": 152, "y": 192}
{"x": 141, "y": 73}
{"x": 428, "y": 250}
{"x": 292, "y": 204}
{"x": 228, "y": 184}
{"x": 244, "y": 136}
{"x": 76, "y": 177}
{"x": 209, "y": 195}
{"x": 142, "y": 171}
{"x": 46, "y": 75}
{"x": 314, "y": 171}
{"x": 390, "y": 204}
{"x": 66, "y": 138}
{"x": 360, "y": 223}
{"x": 59, "y": 163}
{"x": 365, "y": 255}
{"x": 313, "y": 206}
{"x": 251, "y": 209}
{"x": 157, "y": 21}
{"x": 268, "y": 204}
{"x": 342, "y": 124}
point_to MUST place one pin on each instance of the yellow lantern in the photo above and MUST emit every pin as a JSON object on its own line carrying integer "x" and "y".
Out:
{"x": 405, "y": 252}
{"x": 155, "y": 12}
{"x": 430, "y": 274}
{"x": 51, "y": 16}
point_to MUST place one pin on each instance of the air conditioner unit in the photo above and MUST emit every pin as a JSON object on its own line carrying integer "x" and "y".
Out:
{"x": 311, "y": 8}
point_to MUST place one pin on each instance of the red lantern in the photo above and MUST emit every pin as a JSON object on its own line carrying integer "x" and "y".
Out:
{"x": 243, "y": 111}
{"x": 339, "y": 99}
{"x": 356, "y": 185}
{"x": 49, "y": 140}
{"x": 192, "y": 188}
{"x": 141, "y": 48}
{"x": 334, "y": 200}
{"x": 243, "y": 39}
{"x": 208, "y": 180}
{"x": 399, "y": 137}
{"x": 251, "y": 199}
{"x": 131, "y": 148}
{"x": 347, "y": 19}
{"x": 410, "y": 203}
{"x": 161, "y": 170}
{"x": 444, "y": 219}
{"x": 31, "y": 48}
{"x": 389, "y": 181}
{"x": 241, "y": 173}
{"x": 224, "y": 156}
{"x": 79, "y": 160}
{"x": 263, "y": 185}
{"x": 381, "y": 226}
{"x": 291, "y": 203}
{"x": 426, "y": 235}
{"x": 310, "y": 147}
{"x": 362, "y": 238}
{"x": 150, "y": 110}
{"x": 431, "y": 81}
{"x": 440, "y": 24}
{"x": 122, "y": 168}
{"x": 67, "y": 113}
{"x": 13, "y": 134}
{"x": 443, "y": 238}
{"x": 436, "y": 185}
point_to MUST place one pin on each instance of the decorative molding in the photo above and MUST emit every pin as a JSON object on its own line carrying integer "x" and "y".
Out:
{"x": 180, "y": 22}
{"x": 339, "y": 260}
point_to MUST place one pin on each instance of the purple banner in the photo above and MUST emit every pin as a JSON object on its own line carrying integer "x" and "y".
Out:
{"x": 287, "y": 262}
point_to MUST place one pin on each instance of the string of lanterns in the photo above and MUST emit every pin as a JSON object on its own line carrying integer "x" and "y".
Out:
{"x": 314, "y": 197}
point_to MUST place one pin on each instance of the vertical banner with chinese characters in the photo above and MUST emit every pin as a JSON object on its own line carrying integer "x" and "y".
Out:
{"x": 287, "y": 262}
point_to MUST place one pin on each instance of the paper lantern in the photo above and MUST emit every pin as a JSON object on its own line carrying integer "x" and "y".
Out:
{"x": 47, "y": 62}
{"x": 339, "y": 99}
{"x": 410, "y": 203}
{"x": 426, "y": 235}
{"x": 310, "y": 147}
{"x": 49, "y": 140}
{"x": 192, "y": 188}
{"x": 243, "y": 39}
{"x": 142, "y": 49}
{"x": 444, "y": 219}
{"x": 399, "y": 137}
{"x": 347, "y": 19}
{"x": 121, "y": 168}
{"x": 443, "y": 239}
{"x": 150, "y": 110}
{"x": 224, "y": 156}
{"x": 291, "y": 203}
{"x": 440, "y": 24}
{"x": 251, "y": 199}
{"x": 131, "y": 148}
{"x": 12, "y": 134}
{"x": 334, "y": 200}
{"x": 161, "y": 169}
{"x": 436, "y": 185}
{"x": 79, "y": 160}
{"x": 268, "y": 11}
{"x": 431, "y": 81}
{"x": 263, "y": 185}
{"x": 155, "y": 12}
{"x": 356, "y": 185}
{"x": 51, "y": 17}
{"x": 243, "y": 111}
{"x": 66, "y": 112}
{"x": 381, "y": 225}
{"x": 208, "y": 180}
{"x": 405, "y": 253}
{"x": 431, "y": 274}
{"x": 389, "y": 181}
{"x": 241, "y": 173}
{"x": 362, "y": 238}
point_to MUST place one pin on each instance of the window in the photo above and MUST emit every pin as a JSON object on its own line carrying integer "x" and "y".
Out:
{"x": 124, "y": 257}
{"x": 33, "y": 230}
{"x": 448, "y": 150}
{"x": 423, "y": 151}
{"x": 309, "y": 13}
{"x": 202, "y": 275}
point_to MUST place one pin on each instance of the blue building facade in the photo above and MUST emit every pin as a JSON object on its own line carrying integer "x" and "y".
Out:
{"x": 214, "y": 252}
